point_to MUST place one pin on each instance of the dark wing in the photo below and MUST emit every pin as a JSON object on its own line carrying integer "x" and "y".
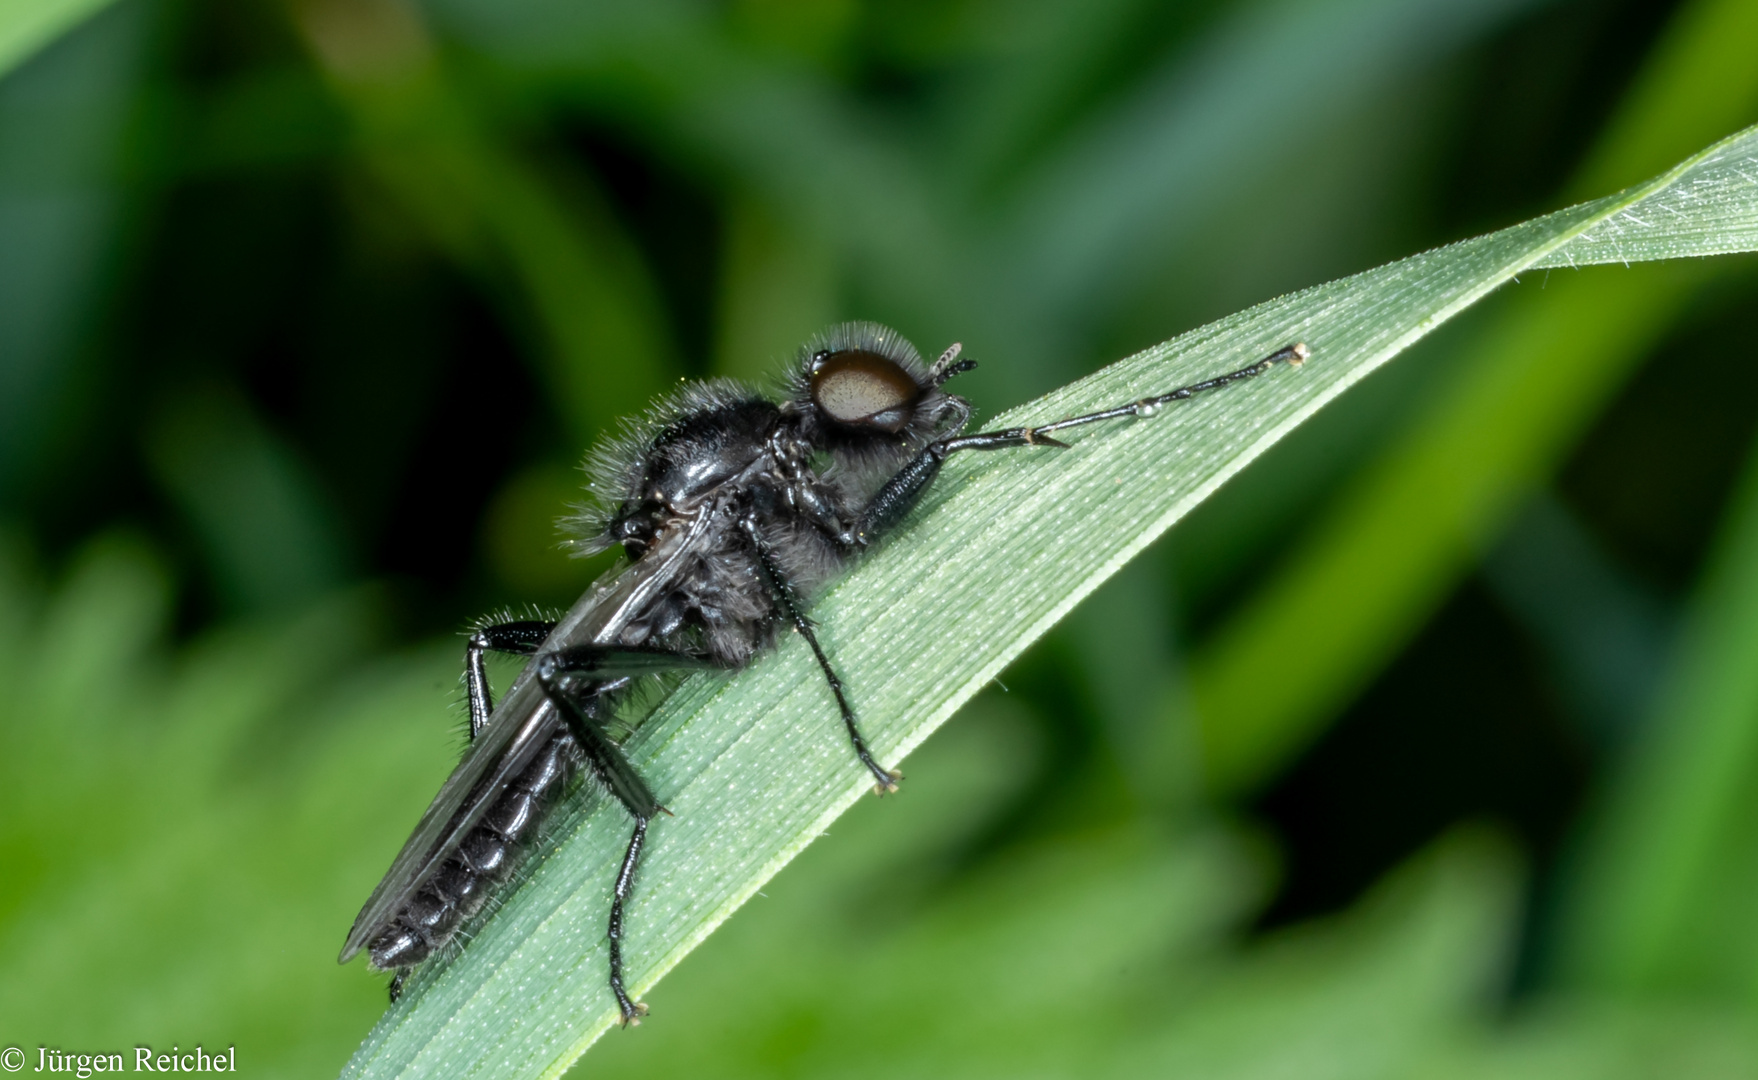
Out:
{"x": 521, "y": 727}
{"x": 507, "y": 745}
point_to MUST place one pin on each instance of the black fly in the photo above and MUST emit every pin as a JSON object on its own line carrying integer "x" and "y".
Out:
{"x": 732, "y": 509}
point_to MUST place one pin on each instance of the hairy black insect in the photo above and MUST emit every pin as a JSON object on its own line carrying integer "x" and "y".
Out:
{"x": 732, "y": 509}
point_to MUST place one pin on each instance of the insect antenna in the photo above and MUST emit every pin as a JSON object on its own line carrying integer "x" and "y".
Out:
{"x": 949, "y": 365}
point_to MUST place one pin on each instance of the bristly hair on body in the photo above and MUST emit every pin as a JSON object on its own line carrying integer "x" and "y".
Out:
{"x": 616, "y": 464}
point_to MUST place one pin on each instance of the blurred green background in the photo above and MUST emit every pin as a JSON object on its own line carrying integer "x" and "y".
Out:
{"x": 1428, "y": 747}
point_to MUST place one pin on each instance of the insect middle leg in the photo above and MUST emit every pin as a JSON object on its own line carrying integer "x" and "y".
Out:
{"x": 578, "y": 680}
{"x": 885, "y": 780}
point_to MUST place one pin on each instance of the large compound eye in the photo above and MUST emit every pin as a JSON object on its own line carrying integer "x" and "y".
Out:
{"x": 863, "y": 389}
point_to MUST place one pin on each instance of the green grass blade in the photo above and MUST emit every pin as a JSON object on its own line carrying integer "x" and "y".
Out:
{"x": 1400, "y": 537}
{"x": 1389, "y": 551}
{"x": 28, "y": 25}
{"x": 754, "y": 767}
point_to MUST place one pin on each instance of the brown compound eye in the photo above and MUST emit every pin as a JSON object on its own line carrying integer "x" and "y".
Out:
{"x": 857, "y": 388}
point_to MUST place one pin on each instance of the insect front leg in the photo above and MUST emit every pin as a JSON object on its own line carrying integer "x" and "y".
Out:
{"x": 885, "y": 780}
{"x": 519, "y": 638}
{"x": 900, "y": 494}
{"x": 576, "y": 679}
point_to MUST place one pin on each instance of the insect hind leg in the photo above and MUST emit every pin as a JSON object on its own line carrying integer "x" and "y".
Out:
{"x": 576, "y": 679}
{"x": 632, "y": 1010}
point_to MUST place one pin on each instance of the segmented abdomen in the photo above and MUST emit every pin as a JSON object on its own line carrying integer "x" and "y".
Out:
{"x": 485, "y": 858}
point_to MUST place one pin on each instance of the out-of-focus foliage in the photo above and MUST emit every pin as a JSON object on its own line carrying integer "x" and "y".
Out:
{"x": 308, "y": 295}
{"x": 169, "y": 821}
